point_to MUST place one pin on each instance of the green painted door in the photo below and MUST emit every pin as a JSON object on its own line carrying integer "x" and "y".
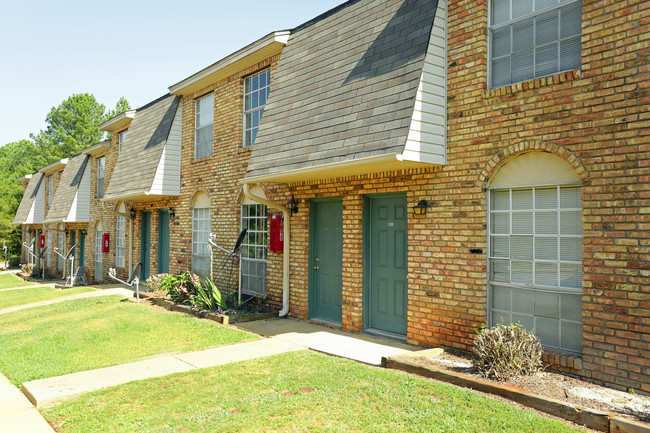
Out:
{"x": 388, "y": 264}
{"x": 163, "y": 241}
{"x": 326, "y": 252}
{"x": 145, "y": 243}
{"x": 73, "y": 242}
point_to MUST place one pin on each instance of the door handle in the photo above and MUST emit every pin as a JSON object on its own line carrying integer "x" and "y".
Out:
{"x": 315, "y": 268}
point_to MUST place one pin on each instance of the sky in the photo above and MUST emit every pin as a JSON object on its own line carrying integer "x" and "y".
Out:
{"x": 50, "y": 50}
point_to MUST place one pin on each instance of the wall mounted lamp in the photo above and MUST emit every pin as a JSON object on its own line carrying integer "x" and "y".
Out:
{"x": 421, "y": 207}
{"x": 66, "y": 231}
{"x": 132, "y": 213}
{"x": 172, "y": 213}
{"x": 83, "y": 232}
{"x": 293, "y": 206}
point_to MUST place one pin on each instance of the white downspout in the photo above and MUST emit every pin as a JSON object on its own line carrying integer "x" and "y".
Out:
{"x": 285, "y": 259}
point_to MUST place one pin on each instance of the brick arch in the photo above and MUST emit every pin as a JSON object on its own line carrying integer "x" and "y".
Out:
{"x": 505, "y": 154}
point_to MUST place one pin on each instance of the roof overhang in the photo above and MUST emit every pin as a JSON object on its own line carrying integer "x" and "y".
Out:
{"x": 25, "y": 178}
{"x": 137, "y": 196}
{"x": 98, "y": 149}
{"x": 55, "y": 166}
{"x": 373, "y": 164}
{"x": 119, "y": 122}
{"x": 259, "y": 50}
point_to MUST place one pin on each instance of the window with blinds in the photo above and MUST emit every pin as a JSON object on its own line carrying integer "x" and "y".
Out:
{"x": 254, "y": 249}
{"x": 533, "y": 38}
{"x": 535, "y": 262}
{"x": 120, "y": 241}
{"x": 200, "y": 235}
{"x": 203, "y": 132}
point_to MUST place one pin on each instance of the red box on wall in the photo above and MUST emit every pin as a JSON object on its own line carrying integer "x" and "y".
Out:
{"x": 105, "y": 242}
{"x": 276, "y": 233}
{"x": 41, "y": 241}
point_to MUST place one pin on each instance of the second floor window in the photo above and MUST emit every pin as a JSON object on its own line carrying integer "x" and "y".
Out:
{"x": 101, "y": 165}
{"x": 203, "y": 132}
{"x": 256, "y": 92}
{"x": 533, "y": 38}
{"x": 122, "y": 139}
{"x": 50, "y": 190}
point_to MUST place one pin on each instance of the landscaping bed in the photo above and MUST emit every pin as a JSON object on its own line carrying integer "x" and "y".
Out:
{"x": 560, "y": 394}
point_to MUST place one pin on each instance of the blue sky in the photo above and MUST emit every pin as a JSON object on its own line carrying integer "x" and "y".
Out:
{"x": 136, "y": 49}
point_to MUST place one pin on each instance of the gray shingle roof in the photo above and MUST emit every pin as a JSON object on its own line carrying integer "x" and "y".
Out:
{"x": 29, "y": 196}
{"x": 138, "y": 161}
{"x": 67, "y": 189}
{"x": 345, "y": 86}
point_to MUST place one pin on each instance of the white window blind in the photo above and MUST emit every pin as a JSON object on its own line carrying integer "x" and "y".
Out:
{"x": 254, "y": 249}
{"x": 50, "y": 189}
{"x": 200, "y": 235}
{"x": 535, "y": 262}
{"x": 256, "y": 92}
{"x": 120, "y": 241}
{"x": 203, "y": 132}
{"x": 59, "y": 263}
{"x": 533, "y": 38}
{"x": 121, "y": 140}
{"x": 101, "y": 165}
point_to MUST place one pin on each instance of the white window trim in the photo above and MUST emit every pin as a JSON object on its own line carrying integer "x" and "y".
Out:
{"x": 121, "y": 140}
{"x": 206, "y": 126}
{"x": 258, "y": 108}
{"x": 50, "y": 189}
{"x": 101, "y": 174}
{"x": 196, "y": 233}
{"x": 263, "y": 247}
{"x": 492, "y": 28}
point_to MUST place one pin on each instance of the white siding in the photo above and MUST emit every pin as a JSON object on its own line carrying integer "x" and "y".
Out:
{"x": 427, "y": 139}
{"x": 39, "y": 205}
{"x": 80, "y": 209}
{"x": 168, "y": 174}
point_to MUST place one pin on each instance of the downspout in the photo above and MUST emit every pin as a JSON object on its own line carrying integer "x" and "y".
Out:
{"x": 130, "y": 220}
{"x": 285, "y": 259}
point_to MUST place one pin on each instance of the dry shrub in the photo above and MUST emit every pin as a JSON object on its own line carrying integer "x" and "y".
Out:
{"x": 505, "y": 351}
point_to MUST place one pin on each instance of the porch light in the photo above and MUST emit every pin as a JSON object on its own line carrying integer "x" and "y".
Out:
{"x": 83, "y": 232}
{"x": 421, "y": 207}
{"x": 172, "y": 213}
{"x": 132, "y": 213}
{"x": 66, "y": 231}
{"x": 292, "y": 206}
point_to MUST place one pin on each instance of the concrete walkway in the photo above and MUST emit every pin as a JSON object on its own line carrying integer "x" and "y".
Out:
{"x": 17, "y": 414}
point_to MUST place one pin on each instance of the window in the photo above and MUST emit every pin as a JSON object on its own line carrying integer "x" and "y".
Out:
{"x": 533, "y": 38}
{"x": 101, "y": 165}
{"x": 256, "y": 92}
{"x": 49, "y": 248}
{"x": 204, "y": 119}
{"x": 121, "y": 140}
{"x": 120, "y": 241}
{"x": 59, "y": 263}
{"x": 254, "y": 248}
{"x": 535, "y": 250}
{"x": 50, "y": 189}
{"x": 200, "y": 235}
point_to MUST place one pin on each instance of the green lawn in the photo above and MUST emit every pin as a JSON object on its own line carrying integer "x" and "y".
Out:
{"x": 8, "y": 281}
{"x": 298, "y": 391}
{"x": 99, "y": 332}
{"x": 12, "y": 298}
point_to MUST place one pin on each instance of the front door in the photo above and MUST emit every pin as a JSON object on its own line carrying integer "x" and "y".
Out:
{"x": 388, "y": 264}
{"x": 145, "y": 242}
{"x": 82, "y": 248}
{"x": 163, "y": 241}
{"x": 326, "y": 252}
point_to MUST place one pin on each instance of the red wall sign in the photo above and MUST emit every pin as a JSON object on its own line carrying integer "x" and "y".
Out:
{"x": 105, "y": 242}
{"x": 276, "y": 233}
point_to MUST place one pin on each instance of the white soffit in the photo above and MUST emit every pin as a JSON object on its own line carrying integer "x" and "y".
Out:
{"x": 534, "y": 169}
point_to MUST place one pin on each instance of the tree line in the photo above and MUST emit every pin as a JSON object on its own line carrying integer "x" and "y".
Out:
{"x": 70, "y": 127}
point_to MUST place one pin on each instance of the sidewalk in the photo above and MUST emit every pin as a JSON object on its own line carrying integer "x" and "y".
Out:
{"x": 107, "y": 292}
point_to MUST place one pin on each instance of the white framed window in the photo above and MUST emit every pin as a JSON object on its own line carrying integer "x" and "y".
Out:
{"x": 535, "y": 262}
{"x": 50, "y": 189}
{"x": 121, "y": 140}
{"x": 203, "y": 129}
{"x": 256, "y": 92}
{"x": 49, "y": 248}
{"x": 101, "y": 166}
{"x": 533, "y": 38}
{"x": 120, "y": 241}
{"x": 200, "y": 235}
{"x": 61, "y": 246}
{"x": 99, "y": 256}
{"x": 254, "y": 249}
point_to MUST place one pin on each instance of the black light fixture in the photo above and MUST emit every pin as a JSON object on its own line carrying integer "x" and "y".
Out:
{"x": 421, "y": 207}
{"x": 132, "y": 213}
{"x": 172, "y": 214}
{"x": 66, "y": 231}
{"x": 83, "y": 232}
{"x": 292, "y": 206}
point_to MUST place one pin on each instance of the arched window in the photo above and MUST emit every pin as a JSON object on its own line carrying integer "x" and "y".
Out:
{"x": 535, "y": 249}
{"x": 120, "y": 237}
{"x": 200, "y": 234}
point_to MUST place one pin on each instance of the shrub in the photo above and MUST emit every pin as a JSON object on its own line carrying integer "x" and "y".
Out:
{"x": 505, "y": 351}
{"x": 177, "y": 287}
{"x": 207, "y": 296}
{"x": 154, "y": 282}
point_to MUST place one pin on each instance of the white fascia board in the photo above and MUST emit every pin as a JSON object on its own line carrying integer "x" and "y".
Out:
{"x": 54, "y": 166}
{"x": 118, "y": 122}
{"x": 281, "y": 37}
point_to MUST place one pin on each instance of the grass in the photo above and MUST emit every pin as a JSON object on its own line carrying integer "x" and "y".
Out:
{"x": 12, "y": 298}
{"x": 297, "y": 391}
{"x": 91, "y": 333}
{"x": 8, "y": 281}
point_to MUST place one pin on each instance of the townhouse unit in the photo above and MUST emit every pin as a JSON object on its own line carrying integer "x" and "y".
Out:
{"x": 439, "y": 166}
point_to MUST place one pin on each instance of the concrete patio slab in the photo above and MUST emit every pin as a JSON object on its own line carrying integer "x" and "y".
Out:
{"x": 17, "y": 414}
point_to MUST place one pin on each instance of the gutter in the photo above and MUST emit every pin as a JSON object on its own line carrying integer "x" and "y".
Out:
{"x": 285, "y": 258}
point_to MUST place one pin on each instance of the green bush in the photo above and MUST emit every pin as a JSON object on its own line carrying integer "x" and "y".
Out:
{"x": 178, "y": 287}
{"x": 207, "y": 296}
{"x": 506, "y": 351}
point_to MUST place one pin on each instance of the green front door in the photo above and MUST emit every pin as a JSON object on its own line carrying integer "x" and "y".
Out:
{"x": 163, "y": 241}
{"x": 326, "y": 252}
{"x": 387, "y": 267}
{"x": 82, "y": 247}
{"x": 145, "y": 243}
